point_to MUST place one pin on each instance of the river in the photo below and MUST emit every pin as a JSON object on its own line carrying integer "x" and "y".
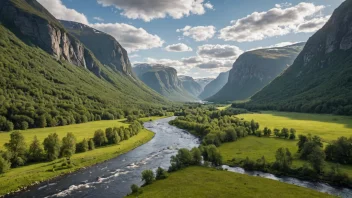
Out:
{"x": 114, "y": 177}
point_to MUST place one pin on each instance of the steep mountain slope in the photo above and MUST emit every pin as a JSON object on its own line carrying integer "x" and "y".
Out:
{"x": 163, "y": 80}
{"x": 320, "y": 79}
{"x": 254, "y": 70}
{"x": 49, "y": 78}
{"x": 191, "y": 85}
{"x": 214, "y": 86}
{"x": 107, "y": 50}
{"x": 203, "y": 81}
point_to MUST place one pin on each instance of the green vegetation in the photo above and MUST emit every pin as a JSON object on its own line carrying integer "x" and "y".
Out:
{"x": 328, "y": 127}
{"x": 37, "y": 91}
{"x": 215, "y": 183}
{"x": 27, "y": 175}
{"x": 319, "y": 81}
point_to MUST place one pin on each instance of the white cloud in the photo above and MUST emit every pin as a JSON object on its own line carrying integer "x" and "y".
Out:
{"x": 219, "y": 51}
{"x": 198, "y": 33}
{"x": 282, "y": 44}
{"x": 98, "y": 18}
{"x": 130, "y": 37}
{"x": 277, "y": 21}
{"x": 60, "y": 11}
{"x": 313, "y": 25}
{"x": 148, "y": 10}
{"x": 209, "y": 6}
{"x": 179, "y": 47}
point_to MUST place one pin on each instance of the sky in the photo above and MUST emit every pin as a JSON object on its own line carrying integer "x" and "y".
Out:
{"x": 199, "y": 38}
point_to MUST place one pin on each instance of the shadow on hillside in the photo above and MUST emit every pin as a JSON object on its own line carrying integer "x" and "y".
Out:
{"x": 344, "y": 120}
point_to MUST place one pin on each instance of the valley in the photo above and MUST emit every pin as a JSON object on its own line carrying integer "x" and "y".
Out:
{"x": 147, "y": 98}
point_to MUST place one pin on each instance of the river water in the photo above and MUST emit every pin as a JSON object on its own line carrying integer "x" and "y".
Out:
{"x": 114, "y": 177}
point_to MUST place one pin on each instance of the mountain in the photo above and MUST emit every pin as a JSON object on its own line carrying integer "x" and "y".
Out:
{"x": 163, "y": 80}
{"x": 215, "y": 85}
{"x": 191, "y": 85}
{"x": 107, "y": 50}
{"x": 254, "y": 70}
{"x": 320, "y": 79}
{"x": 203, "y": 81}
{"x": 49, "y": 78}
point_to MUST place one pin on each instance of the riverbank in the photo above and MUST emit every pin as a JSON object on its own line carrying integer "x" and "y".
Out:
{"x": 209, "y": 182}
{"x": 19, "y": 179}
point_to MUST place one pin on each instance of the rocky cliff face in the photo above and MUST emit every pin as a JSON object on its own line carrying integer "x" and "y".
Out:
{"x": 163, "y": 80}
{"x": 33, "y": 24}
{"x": 107, "y": 50}
{"x": 214, "y": 86}
{"x": 191, "y": 85}
{"x": 204, "y": 81}
{"x": 320, "y": 79}
{"x": 254, "y": 70}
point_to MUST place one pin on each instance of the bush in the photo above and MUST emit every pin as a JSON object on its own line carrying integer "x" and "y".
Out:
{"x": 82, "y": 146}
{"x": 91, "y": 145}
{"x": 135, "y": 189}
{"x": 161, "y": 174}
{"x": 148, "y": 177}
{"x": 4, "y": 165}
{"x": 99, "y": 138}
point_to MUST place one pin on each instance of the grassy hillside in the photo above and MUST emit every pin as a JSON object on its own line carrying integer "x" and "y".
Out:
{"x": 328, "y": 127}
{"x": 207, "y": 182}
{"x": 320, "y": 79}
{"x": 36, "y": 89}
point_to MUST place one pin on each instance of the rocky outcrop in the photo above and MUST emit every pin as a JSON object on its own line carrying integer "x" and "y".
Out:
{"x": 105, "y": 47}
{"x": 214, "y": 86}
{"x": 254, "y": 70}
{"x": 163, "y": 80}
{"x": 191, "y": 85}
{"x": 34, "y": 25}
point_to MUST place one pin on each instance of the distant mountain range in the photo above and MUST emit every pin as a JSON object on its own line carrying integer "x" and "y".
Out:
{"x": 253, "y": 70}
{"x": 164, "y": 80}
{"x": 320, "y": 79}
{"x": 214, "y": 86}
{"x": 191, "y": 85}
{"x": 203, "y": 81}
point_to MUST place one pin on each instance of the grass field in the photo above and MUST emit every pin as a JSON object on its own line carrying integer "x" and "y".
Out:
{"x": 207, "y": 182}
{"x": 254, "y": 148}
{"x": 81, "y": 131}
{"x": 329, "y": 127}
{"x": 223, "y": 107}
{"x": 27, "y": 175}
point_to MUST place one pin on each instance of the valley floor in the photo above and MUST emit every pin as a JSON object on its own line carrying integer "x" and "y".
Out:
{"x": 21, "y": 177}
{"x": 328, "y": 127}
{"x": 208, "y": 182}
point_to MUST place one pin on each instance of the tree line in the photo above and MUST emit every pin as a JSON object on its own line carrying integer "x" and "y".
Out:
{"x": 18, "y": 154}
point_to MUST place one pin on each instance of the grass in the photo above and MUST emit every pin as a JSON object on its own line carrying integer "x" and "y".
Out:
{"x": 81, "y": 131}
{"x": 223, "y": 107}
{"x": 329, "y": 127}
{"x": 208, "y": 182}
{"x": 254, "y": 148}
{"x": 27, "y": 175}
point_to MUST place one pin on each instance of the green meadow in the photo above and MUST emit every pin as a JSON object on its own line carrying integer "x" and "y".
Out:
{"x": 208, "y": 182}
{"x": 328, "y": 127}
{"x": 24, "y": 176}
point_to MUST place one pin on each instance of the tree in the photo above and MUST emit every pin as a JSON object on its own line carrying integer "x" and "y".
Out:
{"x": 83, "y": 146}
{"x": 135, "y": 189}
{"x": 36, "y": 151}
{"x": 317, "y": 159}
{"x": 231, "y": 134}
{"x": 283, "y": 159}
{"x": 17, "y": 147}
{"x": 4, "y": 165}
{"x": 99, "y": 138}
{"x": 212, "y": 154}
{"x": 148, "y": 177}
{"x": 161, "y": 174}
{"x": 302, "y": 139}
{"x": 197, "y": 156}
{"x": 284, "y": 133}
{"x": 24, "y": 125}
{"x": 292, "y": 134}
{"x": 91, "y": 144}
{"x": 112, "y": 136}
{"x": 68, "y": 147}
{"x": 52, "y": 146}
{"x": 41, "y": 121}
{"x": 277, "y": 132}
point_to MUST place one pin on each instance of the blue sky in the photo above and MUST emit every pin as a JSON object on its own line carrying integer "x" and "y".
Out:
{"x": 147, "y": 36}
